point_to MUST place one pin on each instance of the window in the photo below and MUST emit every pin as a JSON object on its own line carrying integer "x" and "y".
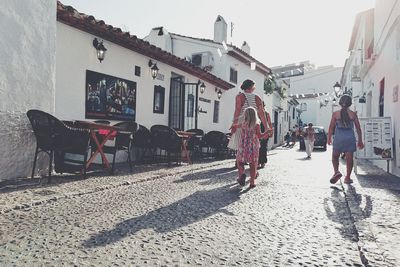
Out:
{"x": 293, "y": 109}
{"x": 196, "y": 60}
{"x": 158, "y": 102}
{"x": 233, "y": 76}
{"x": 190, "y": 106}
{"x": 137, "y": 71}
{"x": 216, "y": 112}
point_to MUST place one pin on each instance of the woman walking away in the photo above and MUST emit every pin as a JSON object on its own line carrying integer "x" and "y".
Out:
{"x": 309, "y": 138}
{"x": 342, "y": 123}
{"x": 245, "y": 99}
{"x": 249, "y": 146}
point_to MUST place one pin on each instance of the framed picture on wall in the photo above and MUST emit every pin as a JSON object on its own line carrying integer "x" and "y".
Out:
{"x": 109, "y": 97}
{"x": 158, "y": 102}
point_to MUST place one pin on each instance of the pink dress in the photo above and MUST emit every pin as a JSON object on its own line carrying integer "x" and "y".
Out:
{"x": 249, "y": 145}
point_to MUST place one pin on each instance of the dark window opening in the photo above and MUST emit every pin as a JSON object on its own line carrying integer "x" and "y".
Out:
{"x": 137, "y": 71}
{"x": 216, "y": 112}
{"x": 233, "y": 76}
{"x": 381, "y": 97}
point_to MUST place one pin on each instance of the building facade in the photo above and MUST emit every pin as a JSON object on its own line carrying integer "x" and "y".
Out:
{"x": 376, "y": 41}
{"x": 223, "y": 60}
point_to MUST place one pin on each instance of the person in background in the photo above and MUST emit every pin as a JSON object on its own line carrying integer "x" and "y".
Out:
{"x": 342, "y": 123}
{"x": 309, "y": 138}
{"x": 249, "y": 146}
{"x": 262, "y": 156}
{"x": 287, "y": 139}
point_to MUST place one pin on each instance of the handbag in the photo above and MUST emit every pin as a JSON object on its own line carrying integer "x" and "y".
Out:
{"x": 235, "y": 139}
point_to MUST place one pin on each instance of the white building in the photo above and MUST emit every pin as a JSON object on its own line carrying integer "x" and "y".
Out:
{"x": 40, "y": 71}
{"x": 27, "y": 78}
{"x": 128, "y": 58}
{"x": 376, "y": 38}
{"x": 313, "y": 89}
{"x": 225, "y": 61}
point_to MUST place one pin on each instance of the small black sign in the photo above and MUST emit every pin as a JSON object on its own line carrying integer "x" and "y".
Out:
{"x": 204, "y": 100}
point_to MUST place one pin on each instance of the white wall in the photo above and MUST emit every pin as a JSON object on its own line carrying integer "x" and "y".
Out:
{"x": 27, "y": 78}
{"x": 387, "y": 66}
{"x": 75, "y": 54}
{"x": 320, "y": 80}
{"x": 185, "y": 47}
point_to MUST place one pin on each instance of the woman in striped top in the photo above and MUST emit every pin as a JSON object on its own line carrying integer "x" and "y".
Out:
{"x": 244, "y": 100}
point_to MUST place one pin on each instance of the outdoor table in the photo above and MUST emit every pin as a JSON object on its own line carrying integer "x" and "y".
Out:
{"x": 108, "y": 132}
{"x": 185, "y": 136}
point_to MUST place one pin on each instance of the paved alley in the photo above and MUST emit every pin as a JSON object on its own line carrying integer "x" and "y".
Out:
{"x": 197, "y": 215}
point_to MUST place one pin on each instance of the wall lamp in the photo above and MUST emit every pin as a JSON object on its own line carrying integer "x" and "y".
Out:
{"x": 101, "y": 50}
{"x": 219, "y": 92}
{"x": 202, "y": 87}
{"x": 153, "y": 68}
{"x": 337, "y": 87}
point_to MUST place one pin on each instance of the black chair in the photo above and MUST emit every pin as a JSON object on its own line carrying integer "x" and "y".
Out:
{"x": 167, "y": 139}
{"x": 142, "y": 140}
{"x": 216, "y": 143}
{"x": 194, "y": 143}
{"x": 123, "y": 141}
{"x": 56, "y": 138}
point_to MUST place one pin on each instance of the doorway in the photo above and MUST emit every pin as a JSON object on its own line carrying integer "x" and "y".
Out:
{"x": 183, "y": 104}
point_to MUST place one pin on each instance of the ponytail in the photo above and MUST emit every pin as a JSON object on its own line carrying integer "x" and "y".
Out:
{"x": 345, "y": 102}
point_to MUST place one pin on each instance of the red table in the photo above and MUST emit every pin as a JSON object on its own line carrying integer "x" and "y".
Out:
{"x": 109, "y": 133}
{"x": 185, "y": 136}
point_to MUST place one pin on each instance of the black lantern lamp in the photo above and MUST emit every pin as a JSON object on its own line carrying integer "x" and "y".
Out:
{"x": 219, "y": 92}
{"x": 101, "y": 50}
{"x": 202, "y": 87}
{"x": 153, "y": 68}
{"x": 362, "y": 99}
{"x": 337, "y": 89}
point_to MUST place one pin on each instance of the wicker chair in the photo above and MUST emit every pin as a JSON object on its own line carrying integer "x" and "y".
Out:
{"x": 123, "y": 141}
{"x": 56, "y": 139}
{"x": 194, "y": 143}
{"x": 216, "y": 144}
{"x": 165, "y": 138}
{"x": 142, "y": 141}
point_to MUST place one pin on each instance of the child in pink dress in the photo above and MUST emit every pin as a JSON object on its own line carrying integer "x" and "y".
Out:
{"x": 249, "y": 146}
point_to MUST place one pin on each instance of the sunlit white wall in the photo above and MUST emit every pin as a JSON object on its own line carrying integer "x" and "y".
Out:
{"x": 27, "y": 78}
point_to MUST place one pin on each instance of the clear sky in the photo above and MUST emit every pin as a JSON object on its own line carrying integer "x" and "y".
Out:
{"x": 279, "y": 32}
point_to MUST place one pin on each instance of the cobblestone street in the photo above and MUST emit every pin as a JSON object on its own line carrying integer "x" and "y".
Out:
{"x": 197, "y": 215}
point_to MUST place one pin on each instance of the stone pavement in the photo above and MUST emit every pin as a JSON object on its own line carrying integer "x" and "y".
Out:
{"x": 196, "y": 215}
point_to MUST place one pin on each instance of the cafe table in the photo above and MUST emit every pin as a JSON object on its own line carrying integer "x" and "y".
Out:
{"x": 107, "y": 133}
{"x": 185, "y": 136}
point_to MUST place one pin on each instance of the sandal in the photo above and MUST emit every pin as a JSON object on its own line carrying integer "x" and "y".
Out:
{"x": 252, "y": 186}
{"x": 348, "y": 180}
{"x": 335, "y": 178}
{"x": 242, "y": 179}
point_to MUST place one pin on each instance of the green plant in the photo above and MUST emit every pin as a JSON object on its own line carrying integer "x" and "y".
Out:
{"x": 270, "y": 85}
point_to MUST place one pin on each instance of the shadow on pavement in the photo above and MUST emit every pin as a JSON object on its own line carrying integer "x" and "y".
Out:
{"x": 196, "y": 207}
{"x": 370, "y": 176}
{"x": 345, "y": 208}
{"x": 211, "y": 176}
